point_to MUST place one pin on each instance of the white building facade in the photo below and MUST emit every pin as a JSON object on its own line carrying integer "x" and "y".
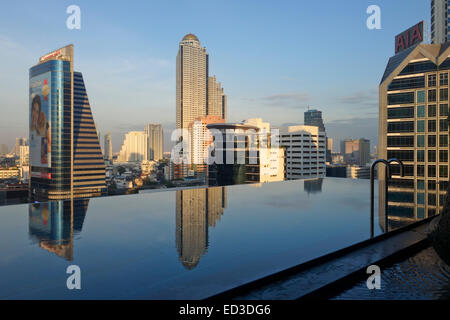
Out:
{"x": 134, "y": 147}
{"x": 305, "y": 149}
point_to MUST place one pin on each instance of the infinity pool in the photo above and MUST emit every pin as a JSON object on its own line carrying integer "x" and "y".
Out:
{"x": 183, "y": 244}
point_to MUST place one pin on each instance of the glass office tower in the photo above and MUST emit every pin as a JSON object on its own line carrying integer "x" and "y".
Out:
{"x": 65, "y": 155}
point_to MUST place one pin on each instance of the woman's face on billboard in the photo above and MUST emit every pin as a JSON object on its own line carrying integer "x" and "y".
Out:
{"x": 34, "y": 114}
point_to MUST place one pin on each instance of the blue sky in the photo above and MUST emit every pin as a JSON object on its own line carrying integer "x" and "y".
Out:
{"x": 274, "y": 58}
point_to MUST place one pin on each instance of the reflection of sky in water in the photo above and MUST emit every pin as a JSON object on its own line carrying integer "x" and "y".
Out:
{"x": 138, "y": 246}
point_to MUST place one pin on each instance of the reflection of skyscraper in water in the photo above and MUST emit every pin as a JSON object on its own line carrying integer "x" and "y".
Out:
{"x": 54, "y": 224}
{"x": 197, "y": 209}
{"x": 313, "y": 185}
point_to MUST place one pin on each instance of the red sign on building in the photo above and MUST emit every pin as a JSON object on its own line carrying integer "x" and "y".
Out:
{"x": 409, "y": 38}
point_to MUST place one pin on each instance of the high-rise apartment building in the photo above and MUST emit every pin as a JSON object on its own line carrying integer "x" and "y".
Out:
{"x": 192, "y": 81}
{"x": 197, "y": 96}
{"x": 134, "y": 147}
{"x": 356, "y": 152}
{"x": 304, "y": 151}
{"x": 108, "y": 147}
{"x": 413, "y": 127}
{"x": 65, "y": 154}
{"x": 314, "y": 118}
{"x": 440, "y": 21}
{"x": 217, "y": 100}
{"x": 155, "y": 141}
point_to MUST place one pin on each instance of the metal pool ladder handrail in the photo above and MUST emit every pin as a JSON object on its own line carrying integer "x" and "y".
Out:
{"x": 388, "y": 175}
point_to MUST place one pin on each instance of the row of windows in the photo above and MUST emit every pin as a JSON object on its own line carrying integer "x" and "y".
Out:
{"x": 408, "y": 112}
{"x": 409, "y": 184}
{"x": 408, "y": 155}
{"x": 408, "y": 126}
{"x": 420, "y": 170}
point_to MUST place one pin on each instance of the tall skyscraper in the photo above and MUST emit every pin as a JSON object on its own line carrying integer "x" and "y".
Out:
{"x": 356, "y": 152}
{"x": 134, "y": 147}
{"x": 155, "y": 141}
{"x": 217, "y": 100}
{"x": 192, "y": 81}
{"x": 197, "y": 96}
{"x": 439, "y": 21}
{"x": 108, "y": 147}
{"x": 413, "y": 127}
{"x": 314, "y": 118}
{"x": 65, "y": 154}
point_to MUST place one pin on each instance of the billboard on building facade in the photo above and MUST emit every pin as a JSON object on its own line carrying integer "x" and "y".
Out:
{"x": 40, "y": 126}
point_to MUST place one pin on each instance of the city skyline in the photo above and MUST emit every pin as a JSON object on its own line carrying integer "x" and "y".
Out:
{"x": 258, "y": 78}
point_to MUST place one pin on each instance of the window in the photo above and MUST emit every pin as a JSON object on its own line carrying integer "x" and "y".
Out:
{"x": 421, "y": 111}
{"x": 402, "y": 155}
{"x": 443, "y": 155}
{"x": 431, "y": 125}
{"x": 443, "y": 79}
{"x": 401, "y": 98}
{"x": 443, "y": 94}
{"x": 421, "y": 171}
{"x": 432, "y": 199}
{"x": 420, "y": 213}
{"x": 443, "y": 125}
{"x": 443, "y": 110}
{"x": 403, "y": 141}
{"x": 443, "y": 140}
{"x": 420, "y": 96}
{"x": 432, "y": 110}
{"x": 420, "y": 198}
{"x": 420, "y": 156}
{"x": 432, "y": 80}
{"x": 420, "y": 184}
{"x": 420, "y": 141}
{"x": 431, "y": 185}
{"x": 443, "y": 171}
{"x": 401, "y": 126}
{"x": 431, "y": 95}
{"x": 431, "y": 155}
{"x": 420, "y": 125}
{"x": 405, "y": 112}
{"x": 408, "y": 83}
{"x": 431, "y": 141}
{"x": 432, "y": 171}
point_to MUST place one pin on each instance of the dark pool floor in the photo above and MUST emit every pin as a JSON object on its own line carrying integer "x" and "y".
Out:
{"x": 423, "y": 276}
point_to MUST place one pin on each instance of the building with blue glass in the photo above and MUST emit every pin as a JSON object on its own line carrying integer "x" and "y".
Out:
{"x": 65, "y": 156}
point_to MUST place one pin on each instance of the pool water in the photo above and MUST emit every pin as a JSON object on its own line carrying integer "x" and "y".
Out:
{"x": 423, "y": 276}
{"x": 177, "y": 244}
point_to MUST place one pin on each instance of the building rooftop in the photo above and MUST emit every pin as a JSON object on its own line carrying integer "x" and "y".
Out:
{"x": 190, "y": 36}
